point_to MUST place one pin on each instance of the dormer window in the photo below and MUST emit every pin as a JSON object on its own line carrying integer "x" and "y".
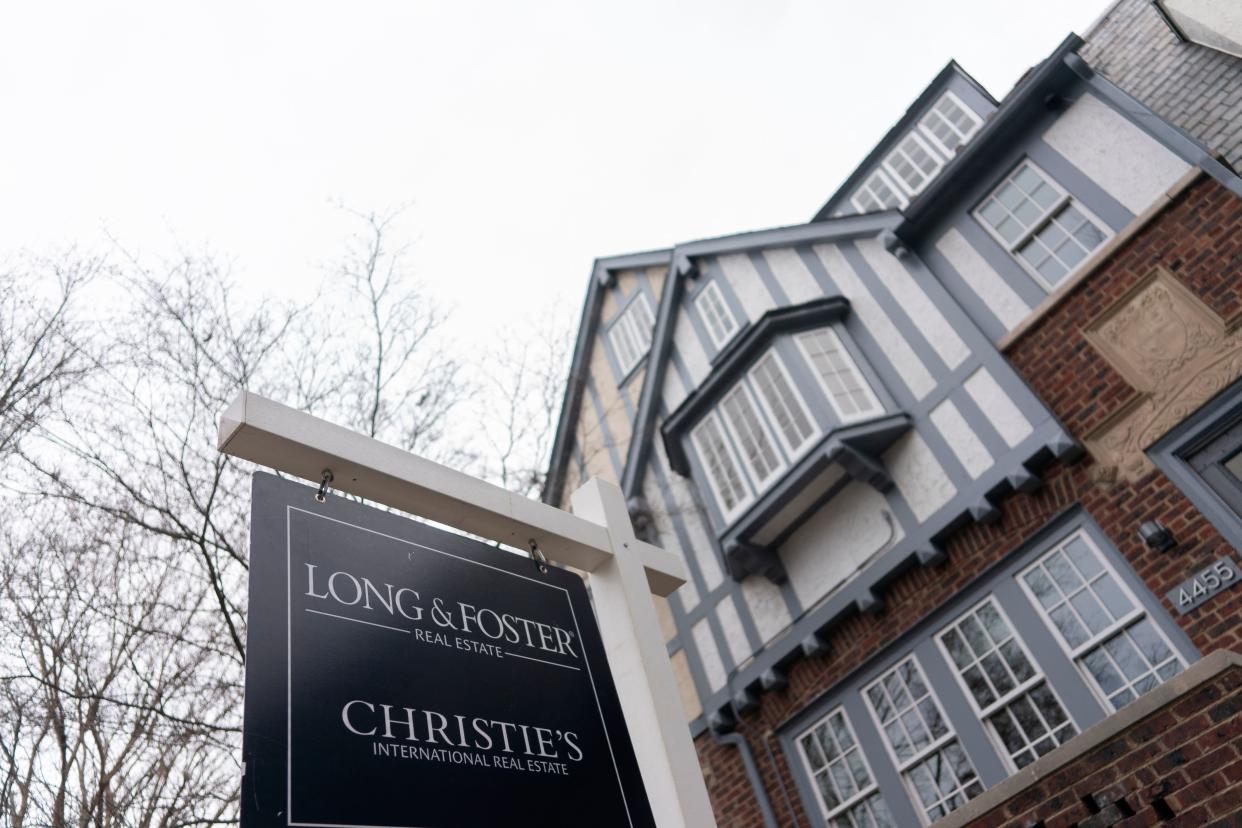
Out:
{"x": 878, "y": 192}
{"x": 913, "y": 163}
{"x": 717, "y": 318}
{"x": 847, "y": 390}
{"x": 760, "y": 428}
{"x": 950, "y": 123}
{"x": 630, "y": 334}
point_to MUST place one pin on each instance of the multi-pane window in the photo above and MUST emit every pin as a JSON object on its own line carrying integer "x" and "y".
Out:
{"x": 757, "y": 447}
{"x": 630, "y": 335}
{"x": 877, "y": 193}
{"x": 925, "y": 748}
{"x": 1045, "y": 229}
{"x": 1009, "y": 693}
{"x": 717, "y": 318}
{"x": 913, "y": 163}
{"x": 1102, "y": 625}
{"x": 722, "y": 472}
{"x": 846, "y": 788}
{"x": 950, "y": 123}
{"x": 784, "y": 406}
{"x": 848, "y": 391}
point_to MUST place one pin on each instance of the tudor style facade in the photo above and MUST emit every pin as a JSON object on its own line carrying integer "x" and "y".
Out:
{"x": 940, "y": 460}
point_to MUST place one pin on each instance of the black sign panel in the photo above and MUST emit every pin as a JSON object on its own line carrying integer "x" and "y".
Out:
{"x": 399, "y": 676}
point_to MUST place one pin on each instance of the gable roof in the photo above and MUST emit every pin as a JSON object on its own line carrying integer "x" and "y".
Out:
{"x": 588, "y": 325}
{"x": 914, "y": 111}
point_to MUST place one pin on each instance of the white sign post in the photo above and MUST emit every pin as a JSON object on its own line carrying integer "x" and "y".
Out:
{"x": 597, "y": 538}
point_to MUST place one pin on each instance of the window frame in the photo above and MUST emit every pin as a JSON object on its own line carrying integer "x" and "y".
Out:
{"x": 877, "y": 408}
{"x": 726, "y": 313}
{"x": 1077, "y": 654}
{"x": 741, "y": 388}
{"x": 914, "y": 135}
{"x": 793, "y": 453}
{"x": 843, "y": 808}
{"x": 729, "y": 515}
{"x": 931, "y": 136}
{"x": 935, "y": 746}
{"x": 626, "y": 323}
{"x": 984, "y": 714}
{"x": 1065, "y": 199}
{"x": 1174, "y": 454}
{"x": 883, "y": 175}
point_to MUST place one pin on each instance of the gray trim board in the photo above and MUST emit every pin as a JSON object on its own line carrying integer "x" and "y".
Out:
{"x": 609, "y": 440}
{"x": 998, "y": 258}
{"x": 770, "y": 281}
{"x": 588, "y": 327}
{"x": 1173, "y": 137}
{"x": 1171, "y": 455}
{"x": 1081, "y": 186}
{"x": 895, "y": 310}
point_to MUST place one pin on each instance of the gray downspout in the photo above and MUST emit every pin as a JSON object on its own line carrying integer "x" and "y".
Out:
{"x": 752, "y": 773}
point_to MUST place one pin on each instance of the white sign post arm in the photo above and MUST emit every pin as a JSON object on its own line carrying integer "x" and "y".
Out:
{"x": 640, "y": 666}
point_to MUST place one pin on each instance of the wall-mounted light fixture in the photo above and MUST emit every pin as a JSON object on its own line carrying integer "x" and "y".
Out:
{"x": 1157, "y": 536}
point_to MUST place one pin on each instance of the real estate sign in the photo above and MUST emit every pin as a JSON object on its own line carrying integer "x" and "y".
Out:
{"x": 399, "y": 676}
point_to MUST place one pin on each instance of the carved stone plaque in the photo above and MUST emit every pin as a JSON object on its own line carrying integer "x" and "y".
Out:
{"x": 1175, "y": 351}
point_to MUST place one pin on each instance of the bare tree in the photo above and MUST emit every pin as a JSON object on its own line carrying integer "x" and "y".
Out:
{"x": 112, "y": 696}
{"x": 371, "y": 355}
{"x": 125, "y": 533}
{"x": 39, "y": 352}
{"x": 523, "y": 376}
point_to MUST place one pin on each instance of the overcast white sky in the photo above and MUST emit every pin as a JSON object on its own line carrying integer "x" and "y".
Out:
{"x": 530, "y": 137}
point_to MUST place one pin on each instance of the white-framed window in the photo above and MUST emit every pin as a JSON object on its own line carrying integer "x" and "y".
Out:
{"x": 630, "y": 334}
{"x": 758, "y": 447}
{"x": 1099, "y": 622}
{"x": 784, "y": 405}
{"x": 913, "y": 163}
{"x": 1019, "y": 709}
{"x": 1047, "y": 231}
{"x": 937, "y": 772}
{"x": 950, "y": 123}
{"x": 723, "y": 474}
{"x": 847, "y": 389}
{"x": 878, "y": 192}
{"x": 720, "y": 322}
{"x": 843, "y": 780}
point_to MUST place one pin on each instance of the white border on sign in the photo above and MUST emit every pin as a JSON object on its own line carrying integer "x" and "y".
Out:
{"x": 289, "y": 509}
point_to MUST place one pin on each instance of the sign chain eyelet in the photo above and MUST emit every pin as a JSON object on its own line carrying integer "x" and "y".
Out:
{"x": 322, "y": 494}
{"x": 536, "y": 555}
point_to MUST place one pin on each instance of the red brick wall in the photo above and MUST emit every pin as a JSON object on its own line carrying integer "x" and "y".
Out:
{"x": 1180, "y": 766}
{"x": 1199, "y": 240}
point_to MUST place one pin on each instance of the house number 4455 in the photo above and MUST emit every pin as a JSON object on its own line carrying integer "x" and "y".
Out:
{"x": 1206, "y": 583}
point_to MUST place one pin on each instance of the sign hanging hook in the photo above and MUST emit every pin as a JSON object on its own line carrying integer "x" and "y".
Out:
{"x": 322, "y": 494}
{"x": 540, "y": 559}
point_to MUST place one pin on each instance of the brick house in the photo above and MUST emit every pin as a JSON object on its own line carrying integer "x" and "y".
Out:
{"x": 956, "y": 467}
